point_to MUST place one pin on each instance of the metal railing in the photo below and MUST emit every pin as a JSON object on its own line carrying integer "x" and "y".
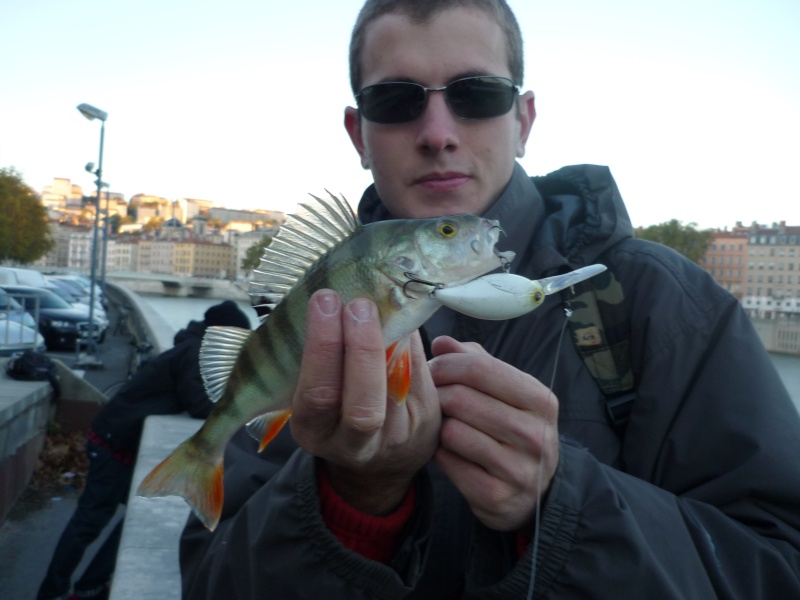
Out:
{"x": 13, "y": 335}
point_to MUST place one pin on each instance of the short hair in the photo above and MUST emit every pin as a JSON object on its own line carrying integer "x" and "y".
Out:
{"x": 423, "y": 11}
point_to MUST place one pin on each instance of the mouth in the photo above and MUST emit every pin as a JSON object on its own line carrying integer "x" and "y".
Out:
{"x": 442, "y": 182}
{"x": 495, "y": 229}
{"x": 505, "y": 256}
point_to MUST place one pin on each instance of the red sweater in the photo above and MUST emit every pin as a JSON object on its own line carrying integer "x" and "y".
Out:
{"x": 371, "y": 536}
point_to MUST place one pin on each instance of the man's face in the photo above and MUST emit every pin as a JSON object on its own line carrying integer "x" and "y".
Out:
{"x": 438, "y": 164}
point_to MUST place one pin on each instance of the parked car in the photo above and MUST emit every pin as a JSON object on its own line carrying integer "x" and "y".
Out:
{"x": 18, "y": 329}
{"x": 16, "y": 337}
{"x": 76, "y": 292}
{"x": 20, "y": 276}
{"x": 7, "y": 276}
{"x": 60, "y": 323}
{"x": 85, "y": 283}
{"x": 34, "y": 278}
{"x": 12, "y": 310}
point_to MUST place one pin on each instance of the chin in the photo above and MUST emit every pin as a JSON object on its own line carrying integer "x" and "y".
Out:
{"x": 423, "y": 205}
{"x": 439, "y": 205}
{"x": 430, "y": 211}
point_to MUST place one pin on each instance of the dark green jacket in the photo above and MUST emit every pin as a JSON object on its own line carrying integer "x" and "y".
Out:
{"x": 698, "y": 500}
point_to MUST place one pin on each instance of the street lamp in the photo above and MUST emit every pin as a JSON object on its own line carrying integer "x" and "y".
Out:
{"x": 90, "y": 359}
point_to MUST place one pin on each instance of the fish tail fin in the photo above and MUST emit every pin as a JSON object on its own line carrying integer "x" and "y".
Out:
{"x": 398, "y": 369}
{"x": 189, "y": 474}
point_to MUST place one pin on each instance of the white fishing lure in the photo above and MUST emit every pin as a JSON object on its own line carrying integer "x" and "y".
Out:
{"x": 500, "y": 296}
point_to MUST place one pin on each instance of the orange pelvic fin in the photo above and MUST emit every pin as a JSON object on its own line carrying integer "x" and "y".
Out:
{"x": 398, "y": 369}
{"x": 189, "y": 474}
{"x": 267, "y": 426}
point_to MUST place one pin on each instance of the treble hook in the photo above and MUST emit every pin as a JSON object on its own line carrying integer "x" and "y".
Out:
{"x": 414, "y": 279}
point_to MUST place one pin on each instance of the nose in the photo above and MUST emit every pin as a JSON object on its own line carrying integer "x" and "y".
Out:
{"x": 437, "y": 127}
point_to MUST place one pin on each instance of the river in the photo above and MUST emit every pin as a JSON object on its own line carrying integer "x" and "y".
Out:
{"x": 177, "y": 312}
{"x": 180, "y": 311}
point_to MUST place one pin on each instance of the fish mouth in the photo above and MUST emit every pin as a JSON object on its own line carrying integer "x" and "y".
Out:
{"x": 505, "y": 256}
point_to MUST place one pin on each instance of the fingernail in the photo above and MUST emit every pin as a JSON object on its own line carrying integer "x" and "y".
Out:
{"x": 328, "y": 303}
{"x": 361, "y": 310}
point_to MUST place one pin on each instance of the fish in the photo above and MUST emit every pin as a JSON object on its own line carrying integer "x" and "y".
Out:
{"x": 251, "y": 375}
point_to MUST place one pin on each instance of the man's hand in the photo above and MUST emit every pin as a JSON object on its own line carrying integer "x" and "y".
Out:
{"x": 370, "y": 447}
{"x": 499, "y": 437}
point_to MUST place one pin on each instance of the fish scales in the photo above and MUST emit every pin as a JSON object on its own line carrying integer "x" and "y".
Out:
{"x": 253, "y": 374}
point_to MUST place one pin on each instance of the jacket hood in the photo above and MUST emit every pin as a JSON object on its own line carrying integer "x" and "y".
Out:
{"x": 557, "y": 222}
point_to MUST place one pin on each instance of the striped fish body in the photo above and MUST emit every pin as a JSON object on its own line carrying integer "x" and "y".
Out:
{"x": 253, "y": 374}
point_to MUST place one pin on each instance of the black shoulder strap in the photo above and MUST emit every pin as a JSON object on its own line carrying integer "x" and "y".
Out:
{"x": 598, "y": 322}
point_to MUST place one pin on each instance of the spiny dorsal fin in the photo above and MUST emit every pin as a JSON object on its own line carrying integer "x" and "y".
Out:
{"x": 305, "y": 237}
{"x": 218, "y": 353}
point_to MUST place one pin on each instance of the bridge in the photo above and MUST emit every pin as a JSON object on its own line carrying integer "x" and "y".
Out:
{"x": 177, "y": 285}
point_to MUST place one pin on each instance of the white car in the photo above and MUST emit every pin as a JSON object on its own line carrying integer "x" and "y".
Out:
{"x": 16, "y": 337}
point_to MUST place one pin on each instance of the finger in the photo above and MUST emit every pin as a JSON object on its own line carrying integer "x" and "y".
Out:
{"x": 494, "y": 502}
{"x": 420, "y": 412}
{"x": 364, "y": 399}
{"x": 316, "y": 401}
{"x": 479, "y": 487}
{"x": 423, "y": 401}
{"x": 464, "y": 474}
{"x": 444, "y": 344}
{"x": 496, "y": 418}
{"x": 474, "y": 368}
{"x": 509, "y": 462}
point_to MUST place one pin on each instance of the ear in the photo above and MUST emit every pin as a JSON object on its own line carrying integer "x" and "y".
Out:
{"x": 526, "y": 116}
{"x": 352, "y": 123}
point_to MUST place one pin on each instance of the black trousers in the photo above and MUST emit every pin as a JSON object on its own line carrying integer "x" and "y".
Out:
{"x": 107, "y": 485}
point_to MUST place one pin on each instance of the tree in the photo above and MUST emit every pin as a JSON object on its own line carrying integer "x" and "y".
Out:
{"x": 252, "y": 257}
{"x": 686, "y": 239}
{"x": 24, "y": 232}
{"x": 153, "y": 223}
{"x": 114, "y": 222}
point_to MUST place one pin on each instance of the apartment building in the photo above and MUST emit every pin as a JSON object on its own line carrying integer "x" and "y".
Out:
{"x": 122, "y": 255}
{"x": 62, "y": 194}
{"x": 147, "y": 207}
{"x": 725, "y": 259}
{"x": 198, "y": 258}
{"x": 773, "y": 272}
{"x": 162, "y": 256}
{"x": 79, "y": 251}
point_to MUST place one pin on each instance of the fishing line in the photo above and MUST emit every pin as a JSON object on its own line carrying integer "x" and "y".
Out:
{"x": 537, "y": 513}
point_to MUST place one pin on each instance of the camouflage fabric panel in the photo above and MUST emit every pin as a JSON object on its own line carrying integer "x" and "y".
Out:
{"x": 599, "y": 327}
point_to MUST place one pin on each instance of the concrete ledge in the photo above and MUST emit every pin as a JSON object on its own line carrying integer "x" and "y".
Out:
{"x": 24, "y": 410}
{"x": 153, "y": 326}
{"x": 779, "y": 335}
{"x": 147, "y": 562}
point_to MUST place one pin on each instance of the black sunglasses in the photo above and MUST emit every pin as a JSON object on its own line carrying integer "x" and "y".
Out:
{"x": 393, "y": 102}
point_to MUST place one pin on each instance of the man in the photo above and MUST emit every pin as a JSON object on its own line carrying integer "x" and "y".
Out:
{"x": 487, "y": 483}
{"x": 168, "y": 384}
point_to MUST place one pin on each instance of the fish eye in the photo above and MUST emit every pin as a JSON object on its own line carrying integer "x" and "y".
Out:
{"x": 538, "y": 297}
{"x": 447, "y": 229}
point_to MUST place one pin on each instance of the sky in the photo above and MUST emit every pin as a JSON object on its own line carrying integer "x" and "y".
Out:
{"x": 693, "y": 104}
